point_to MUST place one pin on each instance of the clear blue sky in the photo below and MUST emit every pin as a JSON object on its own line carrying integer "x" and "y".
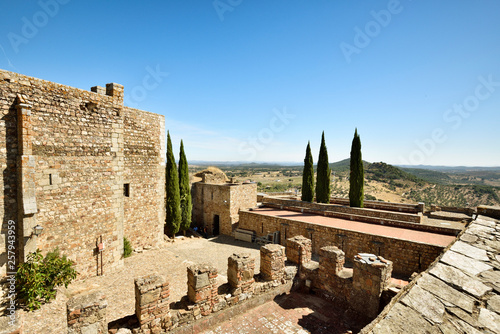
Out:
{"x": 255, "y": 80}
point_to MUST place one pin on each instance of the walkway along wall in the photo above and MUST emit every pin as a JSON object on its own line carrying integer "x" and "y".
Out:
{"x": 408, "y": 257}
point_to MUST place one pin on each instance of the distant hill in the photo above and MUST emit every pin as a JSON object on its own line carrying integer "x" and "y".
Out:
{"x": 429, "y": 175}
{"x": 345, "y": 165}
{"x": 380, "y": 171}
{"x": 452, "y": 169}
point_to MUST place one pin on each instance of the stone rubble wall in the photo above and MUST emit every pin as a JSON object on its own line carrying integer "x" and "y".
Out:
{"x": 272, "y": 262}
{"x": 202, "y": 287}
{"x": 489, "y": 211}
{"x": 299, "y": 250}
{"x": 240, "y": 272}
{"x": 359, "y": 288}
{"x": 152, "y": 306}
{"x": 408, "y": 257}
{"x": 156, "y": 315}
{"x": 361, "y": 291}
{"x": 333, "y": 280}
{"x": 84, "y": 146}
{"x": 368, "y": 283}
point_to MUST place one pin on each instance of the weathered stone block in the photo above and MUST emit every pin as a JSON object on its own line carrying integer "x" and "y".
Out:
{"x": 299, "y": 250}
{"x": 331, "y": 257}
{"x": 86, "y": 313}
{"x": 272, "y": 262}
{"x": 240, "y": 270}
{"x": 371, "y": 275}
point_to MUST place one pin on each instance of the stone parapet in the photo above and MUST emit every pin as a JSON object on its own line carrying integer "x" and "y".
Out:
{"x": 299, "y": 250}
{"x": 86, "y": 313}
{"x": 371, "y": 275}
{"x": 240, "y": 272}
{"x": 272, "y": 262}
{"x": 152, "y": 294}
{"x": 331, "y": 260}
{"x": 202, "y": 286}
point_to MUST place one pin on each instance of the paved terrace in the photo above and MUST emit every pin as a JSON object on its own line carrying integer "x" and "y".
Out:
{"x": 355, "y": 226}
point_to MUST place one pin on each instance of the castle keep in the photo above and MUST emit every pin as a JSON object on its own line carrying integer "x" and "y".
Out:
{"x": 83, "y": 167}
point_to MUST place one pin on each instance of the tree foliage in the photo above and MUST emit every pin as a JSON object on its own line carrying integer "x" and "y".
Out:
{"x": 308, "y": 176}
{"x": 173, "y": 220}
{"x": 357, "y": 175}
{"x": 185, "y": 191}
{"x": 37, "y": 278}
{"x": 323, "y": 177}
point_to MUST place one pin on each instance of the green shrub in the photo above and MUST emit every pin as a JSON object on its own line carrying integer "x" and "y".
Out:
{"x": 127, "y": 248}
{"x": 37, "y": 278}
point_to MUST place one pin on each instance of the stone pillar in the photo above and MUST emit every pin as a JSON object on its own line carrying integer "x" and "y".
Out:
{"x": 331, "y": 263}
{"x": 86, "y": 313}
{"x": 116, "y": 91}
{"x": 272, "y": 262}
{"x": 298, "y": 250}
{"x": 202, "y": 286}
{"x": 421, "y": 207}
{"x": 240, "y": 271}
{"x": 331, "y": 260}
{"x": 371, "y": 275}
{"x": 26, "y": 190}
{"x": 152, "y": 301}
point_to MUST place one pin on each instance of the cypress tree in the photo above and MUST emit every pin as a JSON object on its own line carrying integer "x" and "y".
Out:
{"x": 173, "y": 220}
{"x": 356, "y": 180}
{"x": 308, "y": 176}
{"x": 323, "y": 178}
{"x": 185, "y": 191}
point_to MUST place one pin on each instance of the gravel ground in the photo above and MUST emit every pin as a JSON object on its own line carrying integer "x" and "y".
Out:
{"x": 170, "y": 260}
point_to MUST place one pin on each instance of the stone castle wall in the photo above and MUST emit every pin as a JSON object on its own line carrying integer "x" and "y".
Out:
{"x": 408, "y": 257}
{"x": 66, "y": 158}
{"x": 144, "y": 151}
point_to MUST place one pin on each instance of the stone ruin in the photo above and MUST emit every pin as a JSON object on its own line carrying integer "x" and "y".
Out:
{"x": 155, "y": 314}
{"x": 359, "y": 289}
